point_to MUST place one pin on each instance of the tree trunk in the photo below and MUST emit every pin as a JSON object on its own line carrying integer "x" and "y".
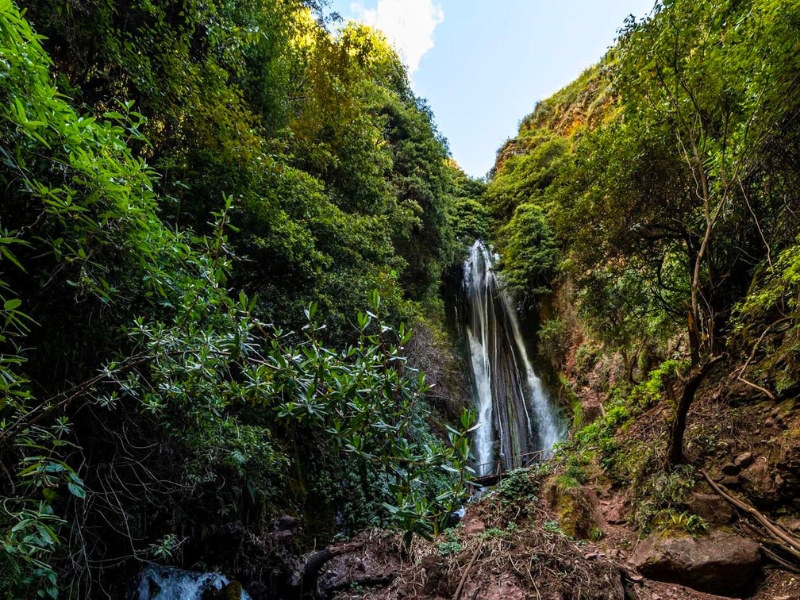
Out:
{"x": 678, "y": 430}
{"x": 694, "y": 338}
{"x": 304, "y": 582}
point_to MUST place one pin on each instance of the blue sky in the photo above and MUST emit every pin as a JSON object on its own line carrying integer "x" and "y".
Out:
{"x": 482, "y": 65}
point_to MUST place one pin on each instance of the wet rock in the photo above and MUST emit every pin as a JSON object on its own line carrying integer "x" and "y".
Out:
{"x": 231, "y": 591}
{"x": 711, "y": 507}
{"x": 719, "y": 563}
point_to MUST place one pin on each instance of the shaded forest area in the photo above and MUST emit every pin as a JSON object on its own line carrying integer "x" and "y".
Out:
{"x": 215, "y": 218}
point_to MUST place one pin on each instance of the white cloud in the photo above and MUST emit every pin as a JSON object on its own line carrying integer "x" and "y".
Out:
{"x": 408, "y": 25}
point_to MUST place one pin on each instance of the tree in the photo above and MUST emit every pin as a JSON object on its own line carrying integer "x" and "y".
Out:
{"x": 712, "y": 76}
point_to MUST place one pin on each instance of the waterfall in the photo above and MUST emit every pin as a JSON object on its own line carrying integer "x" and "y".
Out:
{"x": 515, "y": 416}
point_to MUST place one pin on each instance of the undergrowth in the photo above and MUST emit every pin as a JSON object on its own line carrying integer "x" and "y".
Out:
{"x": 606, "y": 449}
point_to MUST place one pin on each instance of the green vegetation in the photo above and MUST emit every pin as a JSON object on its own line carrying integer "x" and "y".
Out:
{"x": 215, "y": 217}
{"x": 658, "y": 194}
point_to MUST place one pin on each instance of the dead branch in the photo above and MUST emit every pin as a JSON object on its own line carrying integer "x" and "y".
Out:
{"x": 784, "y": 539}
{"x": 466, "y": 571}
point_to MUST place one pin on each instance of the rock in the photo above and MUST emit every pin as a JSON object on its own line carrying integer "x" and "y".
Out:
{"x": 504, "y": 590}
{"x": 730, "y": 469}
{"x": 730, "y": 480}
{"x": 472, "y": 524}
{"x": 744, "y": 460}
{"x": 578, "y": 513}
{"x": 790, "y": 523}
{"x": 232, "y": 591}
{"x": 591, "y": 409}
{"x": 614, "y": 511}
{"x": 436, "y": 581}
{"x": 714, "y": 509}
{"x": 718, "y": 564}
{"x": 758, "y": 485}
{"x": 286, "y": 522}
{"x": 282, "y": 537}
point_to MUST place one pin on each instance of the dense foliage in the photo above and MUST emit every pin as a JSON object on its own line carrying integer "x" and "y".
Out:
{"x": 658, "y": 194}
{"x": 184, "y": 186}
{"x": 667, "y": 175}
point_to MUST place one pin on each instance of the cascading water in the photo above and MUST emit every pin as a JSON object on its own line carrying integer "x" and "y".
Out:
{"x": 515, "y": 417}
{"x": 163, "y": 583}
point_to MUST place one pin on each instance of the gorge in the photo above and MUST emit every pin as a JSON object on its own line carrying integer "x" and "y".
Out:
{"x": 250, "y": 346}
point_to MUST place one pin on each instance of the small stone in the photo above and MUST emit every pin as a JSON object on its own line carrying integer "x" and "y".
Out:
{"x": 744, "y": 460}
{"x": 779, "y": 481}
{"x": 769, "y": 423}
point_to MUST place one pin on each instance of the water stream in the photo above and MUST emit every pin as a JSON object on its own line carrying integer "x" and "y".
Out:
{"x": 515, "y": 416}
{"x": 164, "y": 583}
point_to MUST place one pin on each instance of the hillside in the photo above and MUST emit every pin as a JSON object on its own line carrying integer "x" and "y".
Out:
{"x": 667, "y": 300}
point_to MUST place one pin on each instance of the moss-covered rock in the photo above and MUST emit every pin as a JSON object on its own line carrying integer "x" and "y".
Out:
{"x": 232, "y": 591}
{"x": 576, "y": 507}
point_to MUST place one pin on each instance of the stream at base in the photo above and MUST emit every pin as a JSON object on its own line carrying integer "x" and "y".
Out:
{"x": 163, "y": 583}
{"x": 517, "y": 421}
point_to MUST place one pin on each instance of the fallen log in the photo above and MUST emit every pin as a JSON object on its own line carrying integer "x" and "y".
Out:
{"x": 305, "y": 580}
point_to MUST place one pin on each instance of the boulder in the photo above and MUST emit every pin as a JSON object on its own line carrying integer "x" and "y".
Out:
{"x": 578, "y": 509}
{"x": 719, "y": 563}
{"x": 711, "y": 507}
